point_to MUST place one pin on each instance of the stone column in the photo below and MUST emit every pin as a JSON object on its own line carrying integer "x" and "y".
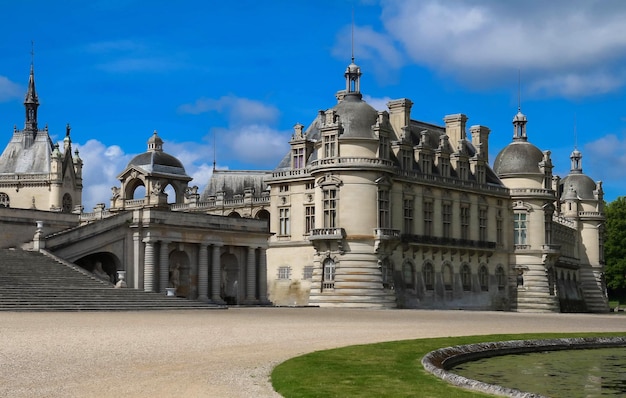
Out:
{"x": 262, "y": 277}
{"x": 216, "y": 275}
{"x": 164, "y": 266}
{"x": 251, "y": 276}
{"x": 203, "y": 273}
{"x": 148, "y": 267}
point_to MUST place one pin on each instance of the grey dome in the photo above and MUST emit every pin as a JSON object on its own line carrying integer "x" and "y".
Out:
{"x": 582, "y": 184}
{"x": 356, "y": 117}
{"x": 519, "y": 157}
{"x": 158, "y": 162}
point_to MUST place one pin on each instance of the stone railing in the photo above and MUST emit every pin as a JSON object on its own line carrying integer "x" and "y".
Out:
{"x": 334, "y": 233}
{"x": 531, "y": 192}
{"x": 452, "y": 242}
{"x": 290, "y": 173}
{"x": 437, "y": 179}
{"x": 351, "y": 162}
{"x": 24, "y": 177}
{"x": 387, "y": 233}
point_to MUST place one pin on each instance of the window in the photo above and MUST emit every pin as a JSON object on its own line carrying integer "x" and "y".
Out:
{"x": 298, "y": 158}
{"x": 466, "y": 277}
{"x": 446, "y": 217}
{"x": 482, "y": 224}
{"x": 429, "y": 276}
{"x": 480, "y": 174}
{"x": 408, "y": 216}
{"x": 483, "y": 278}
{"x": 519, "y": 228}
{"x": 387, "y": 273}
{"x": 308, "y": 272}
{"x": 500, "y": 278}
{"x": 330, "y": 145}
{"x": 408, "y": 274}
{"x": 465, "y": 220}
{"x": 499, "y": 229}
{"x": 309, "y": 218}
{"x": 284, "y": 188}
{"x": 330, "y": 208}
{"x": 428, "y": 217}
{"x": 328, "y": 277}
{"x": 67, "y": 203}
{"x": 4, "y": 200}
{"x": 447, "y": 276}
{"x": 383, "y": 209}
{"x": 462, "y": 170}
{"x": 383, "y": 150}
{"x": 309, "y": 185}
{"x": 425, "y": 164}
{"x": 284, "y": 272}
{"x": 445, "y": 167}
{"x": 285, "y": 227}
{"x": 406, "y": 159}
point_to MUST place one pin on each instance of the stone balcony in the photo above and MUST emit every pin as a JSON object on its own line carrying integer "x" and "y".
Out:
{"x": 334, "y": 233}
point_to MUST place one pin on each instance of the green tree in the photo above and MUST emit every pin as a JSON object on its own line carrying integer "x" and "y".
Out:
{"x": 615, "y": 248}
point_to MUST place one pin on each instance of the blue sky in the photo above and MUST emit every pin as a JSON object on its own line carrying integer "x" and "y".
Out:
{"x": 243, "y": 73}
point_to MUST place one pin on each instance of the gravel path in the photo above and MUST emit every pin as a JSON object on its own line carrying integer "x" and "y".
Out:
{"x": 218, "y": 353}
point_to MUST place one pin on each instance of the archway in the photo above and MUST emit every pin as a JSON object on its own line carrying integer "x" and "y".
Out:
{"x": 102, "y": 264}
{"x": 264, "y": 215}
{"x": 230, "y": 286}
{"x": 179, "y": 266}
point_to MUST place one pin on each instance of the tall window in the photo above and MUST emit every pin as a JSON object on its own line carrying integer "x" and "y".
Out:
{"x": 462, "y": 170}
{"x": 444, "y": 167}
{"x": 519, "y": 228}
{"x": 482, "y": 224}
{"x": 447, "y": 276}
{"x": 407, "y": 159}
{"x": 446, "y": 217}
{"x": 428, "y": 217}
{"x": 480, "y": 174}
{"x": 285, "y": 227}
{"x": 500, "y": 278}
{"x": 408, "y": 274}
{"x": 383, "y": 150}
{"x": 309, "y": 218}
{"x": 67, "y": 203}
{"x": 330, "y": 208}
{"x": 428, "y": 273}
{"x": 383, "y": 209}
{"x": 387, "y": 274}
{"x": 328, "y": 276}
{"x": 408, "y": 216}
{"x": 499, "y": 229}
{"x": 330, "y": 145}
{"x": 483, "y": 278}
{"x": 298, "y": 158}
{"x": 426, "y": 164}
{"x": 466, "y": 277}
{"x": 465, "y": 220}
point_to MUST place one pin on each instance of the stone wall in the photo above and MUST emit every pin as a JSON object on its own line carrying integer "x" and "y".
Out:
{"x": 17, "y": 226}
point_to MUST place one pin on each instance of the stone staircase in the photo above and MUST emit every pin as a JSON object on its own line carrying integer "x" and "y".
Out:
{"x": 31, "y": 281}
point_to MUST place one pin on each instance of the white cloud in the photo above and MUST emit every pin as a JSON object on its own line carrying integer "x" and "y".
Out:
{"x": 605, "y": 159}
{"x": 9, "y": 90}
{"x": 486, "y": 42}
{"x": 380, "y": 104}
{"x": 240, "y": 111}
{"x": 258, "y": 144}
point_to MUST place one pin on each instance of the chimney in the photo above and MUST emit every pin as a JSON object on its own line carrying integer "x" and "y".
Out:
{"x": 480, "y": 140}
{"x": 399, "y": 115}
{"x": 455, "y": 127}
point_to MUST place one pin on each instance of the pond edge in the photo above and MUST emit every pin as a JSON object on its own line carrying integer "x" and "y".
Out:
{"x": 438, "y": 362}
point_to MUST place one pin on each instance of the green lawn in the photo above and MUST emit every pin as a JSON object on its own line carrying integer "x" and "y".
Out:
{"x": 390, "y": 369}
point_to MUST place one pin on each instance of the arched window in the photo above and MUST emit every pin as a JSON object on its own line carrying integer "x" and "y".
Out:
{"x": 447, "y": 276}
{"x": 466, "y": 277}
{"x": 4, "y": 200}
{"x": 428, "y": 274}
{"x": 328, "y": 277}
{"x": 66, "y": 206}
{"x": 387, "y": 273}
{"x": 483, "y": 278}
{"x": 408, "y": 273}
{"x": 234, "y": 214}
{"x": 500, "y": 278}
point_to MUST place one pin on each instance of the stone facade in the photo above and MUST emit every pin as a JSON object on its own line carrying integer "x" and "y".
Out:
{"x": 368, "y": 209}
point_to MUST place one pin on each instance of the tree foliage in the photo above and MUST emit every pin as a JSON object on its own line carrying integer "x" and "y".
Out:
{"x": 615, "y": 246}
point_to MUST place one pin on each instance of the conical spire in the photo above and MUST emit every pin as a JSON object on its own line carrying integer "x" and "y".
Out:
{"x": 31, "y": 103}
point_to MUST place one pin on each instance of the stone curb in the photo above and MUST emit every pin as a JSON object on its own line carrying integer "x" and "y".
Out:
{"x": 438, "y": 362}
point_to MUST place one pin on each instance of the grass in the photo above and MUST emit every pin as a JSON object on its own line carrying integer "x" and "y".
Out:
{"x": 390, "y": 369}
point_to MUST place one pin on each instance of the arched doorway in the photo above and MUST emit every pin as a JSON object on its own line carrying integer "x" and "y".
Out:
{"x": 103, "y": 264}
{"x": 230, "y": 286}
{"x": 179, "y": 266}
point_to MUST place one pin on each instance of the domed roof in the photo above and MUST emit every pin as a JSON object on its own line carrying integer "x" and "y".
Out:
{"x": 157, "y": 161}
{"x": 582, "y": 184}
{"x": 356, "y": 116}
{"x": 519, "y": 157}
